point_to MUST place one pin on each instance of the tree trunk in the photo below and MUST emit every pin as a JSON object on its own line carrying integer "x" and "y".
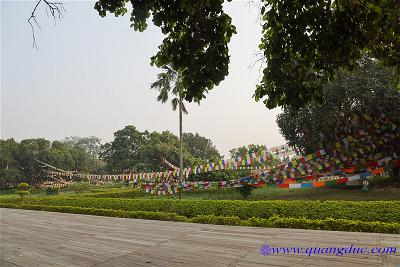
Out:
{"x": 180, "y": 146}
{"x": 33, "y": 175}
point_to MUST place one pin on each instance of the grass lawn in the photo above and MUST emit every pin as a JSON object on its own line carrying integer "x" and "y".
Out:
{"x": 355, "y": 194}
{"x": 324, "y": 193}
{"x": 262, "y": 193}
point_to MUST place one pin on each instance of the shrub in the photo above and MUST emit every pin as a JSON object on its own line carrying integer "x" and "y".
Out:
{"x": 23, "y": 187}
{"x": 52, "y": 190}
{"x": 380, "y": 180}
{"x": 245, "y": 190}
{"x": 7, "y": 191}
{"x": 101, "y": 212}
{"x": 79, "y": 187}
{"x": 23, "y": 190}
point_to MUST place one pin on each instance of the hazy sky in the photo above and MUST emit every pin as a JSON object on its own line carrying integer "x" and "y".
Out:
{"x": 91, "y": 76}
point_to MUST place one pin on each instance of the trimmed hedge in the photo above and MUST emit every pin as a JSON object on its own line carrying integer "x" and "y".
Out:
{"x": 274, "y": 221}
{"x": 367, "y": 211}
{"x": 101, "y": 212}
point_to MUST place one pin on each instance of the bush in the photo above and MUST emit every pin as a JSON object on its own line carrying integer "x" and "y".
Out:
{"x": 381, "y": 180}
{"x": 52, "y": 190}
{"x": 79, "y": 187}
{"x": 212, "y": 219}
{"x": 368, "y": 211}
{"x": 245, "y": 190}
{"x": 7, "y": 191}
{"x": 101, "y": 212}
{"x": 23, "y": 190}
{"x": 23, "y": 187}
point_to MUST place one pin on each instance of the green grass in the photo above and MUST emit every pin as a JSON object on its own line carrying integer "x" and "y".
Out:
{"x": 262, "y": 193}
{"x": 381, "y": 189}
{"x": 8, "y": 196}
{"x": 354, "y": 194}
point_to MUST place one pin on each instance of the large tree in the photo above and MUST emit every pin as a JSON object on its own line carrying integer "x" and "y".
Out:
{"x": 125, "y": 152}
{"x": 10, "y": 170}
{"x": 368, "y": 90}
{"x": 133, "y": 150}
{"x": 91, "y": 144}
{"x": 201, "y": 147}
{"x": 304, "y": 43}
{"x": 166, "y": 146}
{"x": 23, "y": 162}
{"x": 243, "y": 151}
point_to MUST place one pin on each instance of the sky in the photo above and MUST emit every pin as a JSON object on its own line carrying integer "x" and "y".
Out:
{"x": 91, "y": 76}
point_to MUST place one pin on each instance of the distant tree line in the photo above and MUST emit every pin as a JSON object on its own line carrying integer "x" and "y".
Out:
{"x": 130, "y": 151}
{"x": 19, "y": 161}
{"x": 253, "y": 148}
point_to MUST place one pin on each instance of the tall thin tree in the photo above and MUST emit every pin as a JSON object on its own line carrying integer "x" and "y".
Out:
{"x": 169, "y": 82}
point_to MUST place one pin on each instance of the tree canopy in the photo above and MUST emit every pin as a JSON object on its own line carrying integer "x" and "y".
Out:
{"x": 200, "y": 147}
{"x": 20, "y": 161}
{"x": 168, "y": 85}
{"x": 368, "y": 91}
{"x": 249, "y": 149}
{"x": 91, "y": 144}
{"x": 244, "y": 150}
{"x": 305, "y": 44}
{"x": 131, "y": 150}
{"x": 135, "y": 151}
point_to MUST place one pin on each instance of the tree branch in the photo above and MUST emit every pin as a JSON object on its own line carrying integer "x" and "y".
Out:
{"x": 56, "y": 10}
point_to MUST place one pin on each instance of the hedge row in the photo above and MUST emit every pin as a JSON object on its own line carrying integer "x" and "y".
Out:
{"x": 100, "y": 212}
{"x": 383, "y": 211}
{"x": 272, "y": 222}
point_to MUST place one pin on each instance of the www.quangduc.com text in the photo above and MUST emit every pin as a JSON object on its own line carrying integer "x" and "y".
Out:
{"x": 267, "y": 250}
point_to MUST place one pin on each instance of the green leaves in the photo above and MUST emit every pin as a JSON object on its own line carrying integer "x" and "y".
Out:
{"x": 133, "y": 150}
{"x": 366, "y": 90}
{"x": 200, "y": 147}
{"x": 305, "y": 44}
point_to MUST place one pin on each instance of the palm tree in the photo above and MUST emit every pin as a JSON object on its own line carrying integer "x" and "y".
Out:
{"x": 169, "y": 81}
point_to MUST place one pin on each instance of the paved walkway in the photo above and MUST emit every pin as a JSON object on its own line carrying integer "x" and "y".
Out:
{"x": 36, "y": 238}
